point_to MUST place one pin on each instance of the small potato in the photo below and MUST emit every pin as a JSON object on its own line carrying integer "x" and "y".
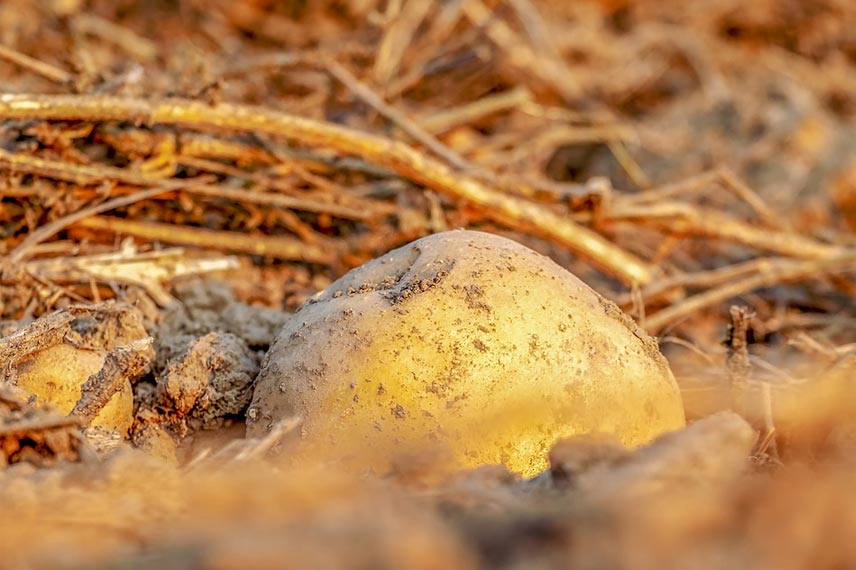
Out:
{"x": 52, "y": 357}
{"x": 465, "y": 343}
{"x": 56, "y": 374}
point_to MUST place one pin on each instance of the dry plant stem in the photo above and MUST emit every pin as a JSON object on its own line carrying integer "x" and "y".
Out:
{"x": 21, "y": 251}
{"x": 661, "y": 289}
{"x": 134, "y": 45}
{"x": 23, "y": 428}
{"x": 536, "y": 30}
{"x": 689, "y": 346}
{"x": 88, "y": 174}
{"x": 47, "y": 331}
{"x": 44, "y": 69}
{"x": 136, "y": 141}
{"x": 397, "y": 38}
{"x": 203, "y": 146}
{"x": 748, "y": 195}
{"x": 629, "y": 164}
{"x": 272, "y": 246}
{"x": 259, "y": 448}
{"x": 770, "y": 446}
{"x": 243, "y": 450}
{"x": 126, "y": 363}
{"x": 724, "y": 176}
{"x": 667, "y": 191}
{"x": 550, "y": 71}
{"x": 448, "y": 119}
{"x": 363, "y": 91}
{"x": 506, "y": 183}
{"x": 773, "y": 274}
{"x": 737, "y": 361}
{"x": 684, "y": 219}
{"x": 440, "y": 32}
{"x": 739, "y": 366}
{"x": 75, "y": 173}
{"x": 284, "y": 202}
{"x": 393, "y": 155}
{"x": 58, "y": 289}
{"x": 147, "y": 270}
{"x": 347, "y": 207}
{"x": 714, "y": 224}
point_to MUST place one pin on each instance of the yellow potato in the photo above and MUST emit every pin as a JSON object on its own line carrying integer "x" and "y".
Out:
{"x": 52, "y": 357}
{"x": 56, "y": 374}
{"x": 466, "y": 343}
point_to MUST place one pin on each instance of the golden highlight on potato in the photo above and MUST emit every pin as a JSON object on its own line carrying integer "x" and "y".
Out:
{"x": 56, "y": 375}
{"x": 60, "y": 351}
{"x": 467, "y": 345}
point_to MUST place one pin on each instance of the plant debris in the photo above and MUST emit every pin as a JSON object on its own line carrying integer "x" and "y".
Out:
{"x": 39, "y": 436}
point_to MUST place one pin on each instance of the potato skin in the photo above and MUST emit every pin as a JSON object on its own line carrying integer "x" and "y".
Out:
{"x": 72, "y": 344}
{"x": 466, "y": 343}
{"x": 56, "y": 374}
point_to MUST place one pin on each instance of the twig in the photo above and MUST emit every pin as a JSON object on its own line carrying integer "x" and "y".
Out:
{"x": 46, "y": 70}
{"x": 536, "y": 30}
{"x": 346, "y": 205}
{"x": 399, "y": 157}
{"x": 258, "y": 448}
{"x": 774, "y": 274}
{"x": 121, "y": 365}
{"x": 685, "y": 219}
{"x": 628, "y": 164}
{"x": 85, "y": 174}
{"x": 363, "y": 91}
{"x": 43, "y": 423}
{"x": 147, "y": 270}
{"x": 279, "y": 247}
{"x": 748, "y": 195}
{"x": 739, "y": 366}
{"x": 689, "y": 346}
{"x": 120, "y": 36}
{"x": 737, "y": 360}
{"x": 447, "y": 119}
{"x": 20, "y": 252}
{"x": 286, "y": 202}
{"x": 53, "y": 329}
{"x": 133, "y": 141}
{"x": 662, "y": 288}
{"x": 765, "y": 443}
{"x": 397, "y": 38}
{"x": 723, "y": 176}
{"x": 512, "y": 184}
{"x": 88, "y": 174}
{"x": 75, "y": 173}
{"x": 424, "y": 53}
{"x": 46, "y": 282}
{"x": 242, "y": 450}
{"x": 548, "y": 70}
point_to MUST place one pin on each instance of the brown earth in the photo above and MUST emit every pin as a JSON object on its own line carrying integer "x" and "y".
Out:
{"x": 178, "y": 177}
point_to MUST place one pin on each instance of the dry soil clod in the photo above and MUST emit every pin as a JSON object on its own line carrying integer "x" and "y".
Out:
{"x": 710, "y": 451}
{"x": 211, "y": 380}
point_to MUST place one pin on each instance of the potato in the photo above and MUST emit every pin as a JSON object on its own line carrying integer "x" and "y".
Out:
{"x": 52, "y": 357}
{"x": 466, "y": 343}
{"x": 56, "y": 374}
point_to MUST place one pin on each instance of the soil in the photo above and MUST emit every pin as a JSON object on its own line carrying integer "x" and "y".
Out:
{"x": 177, "y": 178}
